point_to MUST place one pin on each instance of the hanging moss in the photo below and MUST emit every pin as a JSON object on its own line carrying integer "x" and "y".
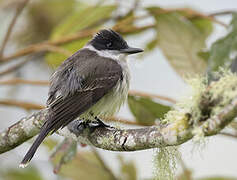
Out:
{"x": 165, "y": 163}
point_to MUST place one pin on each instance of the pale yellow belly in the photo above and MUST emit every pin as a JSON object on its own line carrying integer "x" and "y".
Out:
{"x": 110, "y": 103}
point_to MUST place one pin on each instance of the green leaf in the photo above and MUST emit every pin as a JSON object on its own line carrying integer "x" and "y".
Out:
{"x": 84, "y": 17}
{"x": 205, "y": 55}
{"x": 50, "y": 143}
{"x": 223, "y": 51}
{"x": 151, "y": 45}
{"x": 42, "y": 17}
{"x": 22, "y": 174}
{"x": 54, "y": 59}
{"x": 81, "y": 19}
{"x": 127, "y": 169}
{"x": 181, "y": 38}
{"x": 84, "y": 166}
{"x": 146, "y": 110}
{"x": 204, "y": 25}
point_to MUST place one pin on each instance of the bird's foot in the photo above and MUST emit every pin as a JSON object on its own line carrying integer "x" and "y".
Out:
{"x": 92, "y": 125}
{"x": 101, "y": 123}
{"x": 78, "y": 127}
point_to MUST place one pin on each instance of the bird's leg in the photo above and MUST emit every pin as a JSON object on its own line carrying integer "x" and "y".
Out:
{"x": 100, "y": 123}
{"x": 78, "y": 126}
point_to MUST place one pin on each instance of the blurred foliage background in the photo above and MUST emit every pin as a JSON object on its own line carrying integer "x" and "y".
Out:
{"x": 44, "y": 33}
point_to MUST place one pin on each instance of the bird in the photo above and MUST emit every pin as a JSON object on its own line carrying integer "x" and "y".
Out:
{"x": 92, "y": 83}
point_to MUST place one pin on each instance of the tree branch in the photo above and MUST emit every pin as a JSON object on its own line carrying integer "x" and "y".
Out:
{"x": 14, "y": 67}
{"x": 17, "y": 81}
{"x": 21, "y": 131}
{"x": 222, "y": 13}
{"x": 117, "y": 139}
{"x": 149, "y": 95}
{"x": 152, "y": 137}
{"x": 25, "y": 105}
{"x": 229, "y": 134}
{"x": 13, "y": 22}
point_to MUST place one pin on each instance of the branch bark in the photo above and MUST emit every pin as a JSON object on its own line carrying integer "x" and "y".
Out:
{"x": 115, "y": 139}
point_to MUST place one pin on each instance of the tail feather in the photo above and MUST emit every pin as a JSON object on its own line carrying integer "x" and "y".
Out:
{"x": 29, "y": 155}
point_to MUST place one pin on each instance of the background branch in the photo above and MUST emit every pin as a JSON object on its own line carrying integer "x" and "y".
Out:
{"x": 25, "y": 105}
{"x": 40, "y": 47}
{"x": 19, "y": 9}
{"x": 221, "y": 13}
{"x": 14, "y": 67}
{"x": 17, "y": 81}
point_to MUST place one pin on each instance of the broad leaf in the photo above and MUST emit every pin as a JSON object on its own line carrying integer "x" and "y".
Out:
{"x": 42, "y": 17}
{"x": 82, "y": 18}
{"x": 84, "y": 166}
{"x": 30, "y": 173}
{"x": 181, "y": 38}
{"x": 205, "y": 55}
{"x": 50, "y": 143}
{"x": 223, "y": 51}
{"x": 127, "y": 169}
{"x": 146, "y": 110}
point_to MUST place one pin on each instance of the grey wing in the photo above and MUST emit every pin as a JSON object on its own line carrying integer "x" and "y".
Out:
{"x": 99, "y": 77}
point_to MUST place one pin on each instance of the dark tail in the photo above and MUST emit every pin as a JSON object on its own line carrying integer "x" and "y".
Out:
{"x": 29, "y": 155}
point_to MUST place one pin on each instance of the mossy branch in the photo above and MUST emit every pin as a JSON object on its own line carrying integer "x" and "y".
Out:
{"x": 206, "y": 112}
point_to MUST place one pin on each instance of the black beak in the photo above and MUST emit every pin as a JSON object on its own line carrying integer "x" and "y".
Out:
{"x": 131, "y": 50}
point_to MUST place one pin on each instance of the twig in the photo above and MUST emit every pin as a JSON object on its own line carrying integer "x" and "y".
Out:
{"x": 25, "y": 105}
{"x": 39, "y": 47}
{"x": 149, "y": 95}
{"x": 13, "y": 22}
{"x": 14, "y": 67}
{"x": 17, "y": 81}
{"x": 221, "y": 13}
{"x": 53, "y": 48}
{"x": 229, "y": 134}
{"x": 46, "y": 47}
{"x": 192, "y": 14}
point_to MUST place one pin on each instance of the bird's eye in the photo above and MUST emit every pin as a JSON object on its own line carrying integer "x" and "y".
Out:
{"x": 109, "y": 45}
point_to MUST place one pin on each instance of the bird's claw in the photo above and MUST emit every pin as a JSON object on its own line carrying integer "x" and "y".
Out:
{"x": 92, "y": 125}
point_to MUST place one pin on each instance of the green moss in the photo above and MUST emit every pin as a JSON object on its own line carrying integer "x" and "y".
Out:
{"x": 188, "y": 107}
{"x": 106, "y": 141}
{"x": 224, "y": 90}
{"x": 203, "y": 102}
{"x": 165, "y": 163}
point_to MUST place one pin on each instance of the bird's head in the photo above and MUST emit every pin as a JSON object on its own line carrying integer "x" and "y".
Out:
{"x": 111, "y": 41}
